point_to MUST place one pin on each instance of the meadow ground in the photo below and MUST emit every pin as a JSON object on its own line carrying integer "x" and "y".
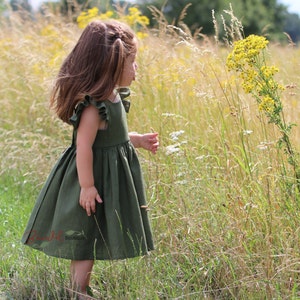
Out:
{"x": 223, "y": 196}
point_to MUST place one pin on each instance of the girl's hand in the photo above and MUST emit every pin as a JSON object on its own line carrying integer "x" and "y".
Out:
{"x": 88, "y": 198}
{"x": 149, "y": 141}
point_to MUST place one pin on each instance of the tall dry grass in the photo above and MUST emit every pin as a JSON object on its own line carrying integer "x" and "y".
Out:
{"x": 224, "y": 207}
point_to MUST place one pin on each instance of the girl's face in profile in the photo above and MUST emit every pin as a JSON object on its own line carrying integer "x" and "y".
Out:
{"x": 129, "y": 71}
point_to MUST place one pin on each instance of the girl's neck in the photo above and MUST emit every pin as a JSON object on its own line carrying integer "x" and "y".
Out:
{"x": 114, "y": 97}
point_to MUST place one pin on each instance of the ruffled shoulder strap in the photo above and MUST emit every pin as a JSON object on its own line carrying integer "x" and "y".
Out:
{"x": 124, "y": 93}
{"x": 88, "y": 100}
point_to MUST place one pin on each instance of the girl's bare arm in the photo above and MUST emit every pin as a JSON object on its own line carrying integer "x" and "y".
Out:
{"x": 87, "y": 130}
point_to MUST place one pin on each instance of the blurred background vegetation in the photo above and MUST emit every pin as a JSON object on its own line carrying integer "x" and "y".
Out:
{"x": 263, "y": 17}
{"x": 225, "y": 208}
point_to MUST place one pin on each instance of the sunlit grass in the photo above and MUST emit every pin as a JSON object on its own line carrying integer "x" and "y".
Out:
{"x": 224, "y": 207}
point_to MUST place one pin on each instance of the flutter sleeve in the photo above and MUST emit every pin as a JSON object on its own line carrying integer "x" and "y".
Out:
{"x": 88, "y": 100}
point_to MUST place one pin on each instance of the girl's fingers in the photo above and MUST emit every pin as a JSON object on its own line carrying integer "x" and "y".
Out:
{"x": 98, "y": 199}
{"x": 88, "y": 209}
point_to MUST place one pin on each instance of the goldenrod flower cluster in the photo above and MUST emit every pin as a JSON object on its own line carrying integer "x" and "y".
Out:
{"x": 134, "y": 18}
{"x": 267, "y": 104}
{"x": 92, "y": 14}
{"x": 248, "y": 60}
{"x": 246, "y": 52}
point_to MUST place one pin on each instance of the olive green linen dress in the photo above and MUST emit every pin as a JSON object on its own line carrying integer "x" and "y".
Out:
{"x": 120, "y": 228}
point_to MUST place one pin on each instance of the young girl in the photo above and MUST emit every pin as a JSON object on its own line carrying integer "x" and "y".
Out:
{"x": 92, "y": 206}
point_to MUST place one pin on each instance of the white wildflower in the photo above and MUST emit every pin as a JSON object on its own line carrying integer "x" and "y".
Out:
{"x": 172, "y": 149}
{"x": 247, "y": 132}
{"x": 174, "y": 135}
{"x": 262, "y": 146}
{"x": 168, "y": 114}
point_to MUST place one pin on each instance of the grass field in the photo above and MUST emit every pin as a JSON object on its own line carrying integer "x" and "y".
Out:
{"x": 224, "y": 203}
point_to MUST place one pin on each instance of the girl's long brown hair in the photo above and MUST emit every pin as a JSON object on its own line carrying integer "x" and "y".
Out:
{"x": 93, "y": 67}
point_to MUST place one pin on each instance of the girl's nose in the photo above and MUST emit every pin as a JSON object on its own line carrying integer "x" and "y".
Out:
{"x": 135, "y": 66}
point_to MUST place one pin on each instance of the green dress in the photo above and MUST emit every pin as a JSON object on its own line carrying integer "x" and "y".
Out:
{"x": 120, "y": 227}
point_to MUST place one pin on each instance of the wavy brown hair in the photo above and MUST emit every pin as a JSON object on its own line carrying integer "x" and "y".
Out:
{"x": 93, "y": 67}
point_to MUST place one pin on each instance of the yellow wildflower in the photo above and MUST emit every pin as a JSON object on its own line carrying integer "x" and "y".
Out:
{"x": 267, "y": 104}
{"x": 248, "y": 60}
{"x": 268, "y": 72}
{"x": 108, "y": 15}
{"x": 245, "y": 51}
{"x": 135, "y": 19}
{"x": 248, "y": 86}
{"x": 141, "y": 35}
{"x": 86, "y": 17}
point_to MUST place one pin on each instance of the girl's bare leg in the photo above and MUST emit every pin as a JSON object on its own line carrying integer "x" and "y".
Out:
{"x": 81, "y": 274}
